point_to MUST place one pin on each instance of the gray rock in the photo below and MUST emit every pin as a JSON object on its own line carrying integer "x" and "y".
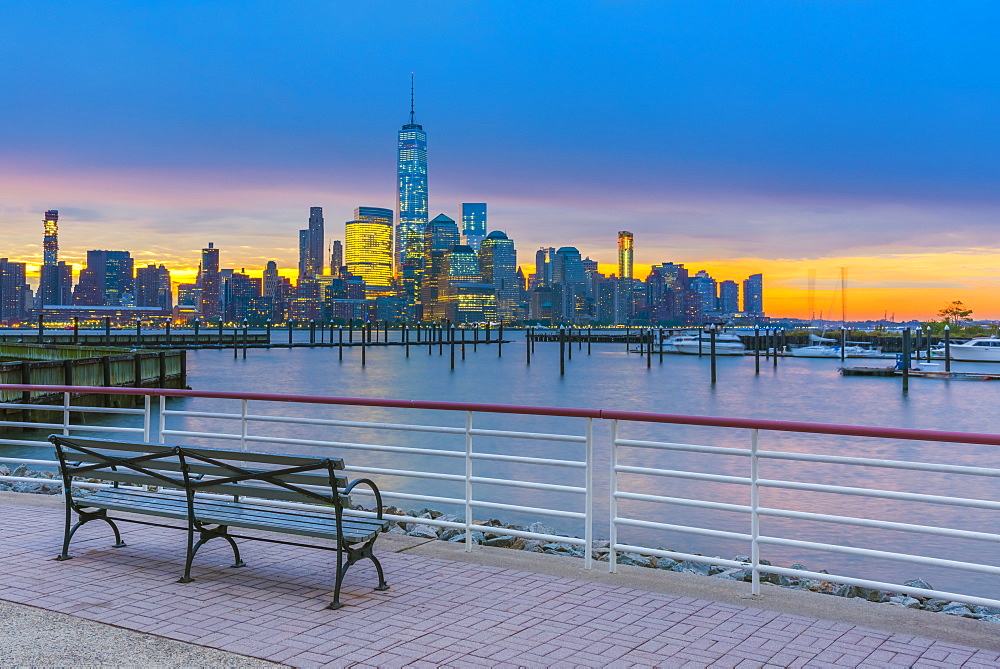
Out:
{"x": 6, "y": 487}
{"x": 844, "y": 590}
{"x": 742, "y": 558}
{"x": 957, "y": 609}
{"x": 562, "y": 549}
{"x": 4, "y": 470}
{"x": 990, "y": 619}
{"x": 20, "y": 470}
{"x": 535, "y": 546}
{"x": 714, "y": 569}
{"x": 450, "y": 518}
{"x": 634, "y": 559}
{"x": 905, "y": 601}
{"x": 500, "y": 541}
{"x": 689, "y": 567}
{"x": 666, "y": 564}
{"x": 934, "y": 604}
{"x": 395, "y": 529}
{"x": 918, "y": 583}
{"x": 450, "y": 533}
{"x": 736, "y": 574}
{"x": 425, "y": 531}
{"x": 540, "y": 528}
{"x": 477, "y": 537}
{"x": 986, "y": 611}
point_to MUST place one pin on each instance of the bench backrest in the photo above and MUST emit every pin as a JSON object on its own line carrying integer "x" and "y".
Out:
{"x": 261, "y": 475}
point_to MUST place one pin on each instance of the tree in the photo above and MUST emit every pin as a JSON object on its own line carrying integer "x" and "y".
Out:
{"x": 955, "y": 312}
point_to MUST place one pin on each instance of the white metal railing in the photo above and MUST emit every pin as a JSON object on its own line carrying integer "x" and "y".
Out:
{"x": 630, "y": 487}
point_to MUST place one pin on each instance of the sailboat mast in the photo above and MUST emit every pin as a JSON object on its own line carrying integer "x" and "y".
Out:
{"x": 843, "y": 296}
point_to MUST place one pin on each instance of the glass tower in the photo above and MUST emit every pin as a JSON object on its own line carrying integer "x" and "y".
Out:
{"x": 411, "y": 205}
{"x": 473, "y": 223}
{"x": 626, "y": 286}
{"x": 753, "y": 294}
{"x": 368, "y": 248}
{"x": 311, "y": 246}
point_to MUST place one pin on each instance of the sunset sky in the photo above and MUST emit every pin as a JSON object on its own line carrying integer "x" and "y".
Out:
{"x": 737, "y": 137}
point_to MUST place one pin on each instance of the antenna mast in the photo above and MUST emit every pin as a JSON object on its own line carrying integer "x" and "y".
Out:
{"x": 412, "y": 122}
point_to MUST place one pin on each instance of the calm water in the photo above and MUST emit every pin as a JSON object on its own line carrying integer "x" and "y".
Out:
{"x": 610, "y": 378}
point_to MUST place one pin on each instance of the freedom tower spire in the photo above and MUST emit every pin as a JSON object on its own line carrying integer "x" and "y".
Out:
{"x": 411, "y": 203}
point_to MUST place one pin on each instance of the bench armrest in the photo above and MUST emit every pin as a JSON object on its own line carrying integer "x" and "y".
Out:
{"x": 370, "y": 484}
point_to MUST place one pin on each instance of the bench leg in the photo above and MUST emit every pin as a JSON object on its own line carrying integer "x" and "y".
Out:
{"x": 354, "y": 555}
{"x": 86, "y": 517}
{"x": 205, "y": 537}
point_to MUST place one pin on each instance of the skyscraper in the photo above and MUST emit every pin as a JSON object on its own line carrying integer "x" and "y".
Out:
{"x": 368, "y": 248}
{"x": 210, "y": 283}
{"x": 753, "y": 294}
{"x": 729, "y": 297}
{"x": 473, "y": 223}
{"x": 56, "y": 281}
{"x": 152, "y": 287}
{"x": 626, "y": 284}
{"x": 14, "y": 291}
{"x": 311, "y": 246}
{"x": 498, "y": 263}
{"x": 108, "y": 280}
{"x": 336, "y": 257}
{"x": 411, "y": 203}
{"x": 440, "y": 236}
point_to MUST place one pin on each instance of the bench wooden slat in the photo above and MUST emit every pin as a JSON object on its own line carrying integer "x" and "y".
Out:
{"x": 258, "y": 518}
{"x": 299, "y": 515}
{"x": 214, "y": 453}
{"x": 172, "y": 464}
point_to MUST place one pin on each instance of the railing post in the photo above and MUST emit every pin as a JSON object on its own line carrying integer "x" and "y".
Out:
{"x": 468, "y": 481}
{"x": 613, "y": 501}
{"x": 243, "y": 425}
{"x": 147, "y": 417}
{"x": 66, "y": 414}
{"x": 163, "y": 419}
{"x": 588, "y": 530}
{"x": 754, "y": 516}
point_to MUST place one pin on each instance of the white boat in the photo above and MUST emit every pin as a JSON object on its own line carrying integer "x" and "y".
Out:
{"x": 980, "y": 349}
{"x": 688, "y": 343}
{"x": 822, "y": 347}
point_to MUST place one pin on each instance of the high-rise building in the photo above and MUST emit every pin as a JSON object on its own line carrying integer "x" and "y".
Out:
{"x": 152, "y": 287}
{"x": 368, "y": 248}
{"x": 463, "y": 295}
{"x": 498, "y": 264}
{"x": 56, "y": 281}
{"x": 211, "y": 288}
{"x": 704, "y": 285}
{"x": 14, "y": 291}
{"x": 336, "y": 257}
{"x": 311, "y": 246}
{"x": 411, "y": 203}
{"x": 626, "y": 283}
{"x": 440, "y": 236}
{"x": 544, "y": 260}
{"x": 729, "y": 297}
{"x": 270, "y": 279}
{"x": 753, "y": 294}
{"x": 107, "y": 280}
{"x": 473, "y": 223}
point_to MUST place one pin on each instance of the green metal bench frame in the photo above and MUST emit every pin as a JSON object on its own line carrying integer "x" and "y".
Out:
{"x": 268, "y": 476}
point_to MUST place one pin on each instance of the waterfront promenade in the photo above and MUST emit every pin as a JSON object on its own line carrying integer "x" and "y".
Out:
{"x": 493, "y": 607}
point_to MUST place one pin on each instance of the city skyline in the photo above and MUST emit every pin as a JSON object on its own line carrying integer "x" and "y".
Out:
{"x": 823, "y": 136}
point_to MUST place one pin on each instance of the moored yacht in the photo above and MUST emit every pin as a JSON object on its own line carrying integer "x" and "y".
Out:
{"x": 980, "y": 349}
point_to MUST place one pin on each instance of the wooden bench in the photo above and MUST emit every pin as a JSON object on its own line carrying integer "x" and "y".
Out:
{"x": 170, "y": 482}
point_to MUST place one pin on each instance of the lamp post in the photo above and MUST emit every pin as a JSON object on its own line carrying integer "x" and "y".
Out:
{"x": 245, "y": 325}
{"x": 947, "y": 348}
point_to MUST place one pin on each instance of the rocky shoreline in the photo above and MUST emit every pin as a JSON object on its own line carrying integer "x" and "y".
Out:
{"x": 49, "y": 484}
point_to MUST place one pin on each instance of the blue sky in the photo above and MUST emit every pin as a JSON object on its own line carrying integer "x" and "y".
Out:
{"x": 805, "y": 131}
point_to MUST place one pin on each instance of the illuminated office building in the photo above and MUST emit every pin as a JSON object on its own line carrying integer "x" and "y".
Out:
{"x": 463, "y": 295}
{"x": 56, "y": 280}
{"x": 336, "y": 257}
{"x": 211, "y": 288}
{"x": 14, "y": 292}
{"x": 368, "y": 248}
{"x": 753, "y": 294}
{"x": 440, "y": 236}
{"x": 498, "y": 264}
{"x": 107, "y": 280}
{"x": 411, "y": 207}
{"x": 311, "y": 246}
{"x": 626, "y": 283}
{"x": 473, "y": 223}
{"x": 152, "y": 287}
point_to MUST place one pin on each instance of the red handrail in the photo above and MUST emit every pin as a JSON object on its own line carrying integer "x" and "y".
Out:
{"x": 676, "y": 419}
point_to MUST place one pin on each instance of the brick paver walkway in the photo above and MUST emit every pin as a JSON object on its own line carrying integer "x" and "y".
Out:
{"x": 438, "y": 612}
